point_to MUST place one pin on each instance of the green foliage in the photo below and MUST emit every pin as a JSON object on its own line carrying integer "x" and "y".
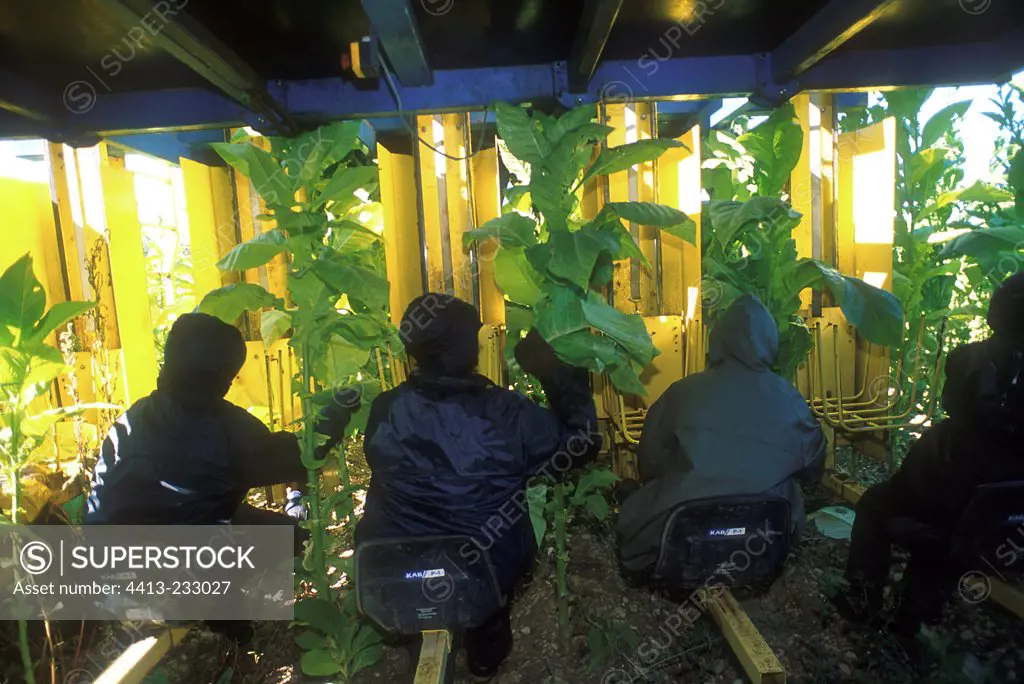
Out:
{"x": 749, "y": 249}
{"x": 319, "y": 191}
{"x": 338, "y": 643}
{"x": 28, "y": 366}
{"x": 551, "y": 262}
{"x": 748, "y": 246}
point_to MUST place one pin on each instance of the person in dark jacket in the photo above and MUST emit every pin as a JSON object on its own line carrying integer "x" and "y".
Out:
{"x": 735, "y": 429}
{"x": 184, "y": 455}
{"x": 981, "y": 441}
{"x": 449, "y": 450}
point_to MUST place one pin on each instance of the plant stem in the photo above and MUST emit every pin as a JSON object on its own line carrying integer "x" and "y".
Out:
{"x": 561, "y": 562}
{"x": 26, "y": 654}
{"x": 316, "y": 529}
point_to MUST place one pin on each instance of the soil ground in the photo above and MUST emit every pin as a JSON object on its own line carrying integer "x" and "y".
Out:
{"x": 624, "y": 634}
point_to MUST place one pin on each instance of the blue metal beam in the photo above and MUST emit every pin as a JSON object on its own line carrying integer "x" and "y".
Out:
{"x": 594, "y": 28}
{"x": 395, "y": 26}
{"x": 20, "y": 96}
{"x": 316, "y": 101}
{"x": 194, "y": 145}
{"x": 839, "y": 21}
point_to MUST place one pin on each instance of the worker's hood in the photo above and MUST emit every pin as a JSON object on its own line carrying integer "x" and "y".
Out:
{"x": 1006, "y": 310}
{"x": 202, "y": 356}
{"x": 746, "y": 334}
{"x": 441, "y": 333}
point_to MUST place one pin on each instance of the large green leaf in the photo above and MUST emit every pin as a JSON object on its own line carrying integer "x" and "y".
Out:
{"x": 338, "y": 360}
{"x": 593, "y": 479}
{"x": 310, "y": 641}
{"x": 875, "y": 313}
{"x": 319, "y": 663}
{"x": 314, "y": 152}
{"x": 231, "y": 301}
{"x": 516, "y": 277}
{"x": 523, "y": 136}
{"x": 775, "y": 146}
{"x": 586, "y": 349}
{"x": 559, "y": 313}
{"x": 615, "y": 159}
{"x": 985, "y": 243}
{"x": 268, "y": 177}
{"x": 573, "y": 256}
{"x": 942, "y": 121}
{"x": 344, "y": 183}
{"x": 255, "y": 252}
{"x": 22, "y": 298}
{"x": 59, "y": 314}
{"x": 979, "y": 192}
{"x": 727, "y": 219}
{"x": 926, "y": 165}
{"x": 572, "y": 120}
{"x": 626, "y": 329}
{"x": 512, "y": 230}
{"x": 362, "y": 285}
{"x": 351, "y": 236}
{"x": 627, "y": 380}
{"x": 318, "y": 613}
{"x": 517, "y": 167}
{"x": 273, "y": 325}
{"x": 672, "y": 221}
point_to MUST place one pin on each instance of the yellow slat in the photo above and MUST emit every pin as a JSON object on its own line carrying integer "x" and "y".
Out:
{"x": 437, "y": 644}
{"x": 132, "y": 666}
{"x": 487, "y": 196}
{"x": 128, "y": 272}
{"x": 402, "y": 253}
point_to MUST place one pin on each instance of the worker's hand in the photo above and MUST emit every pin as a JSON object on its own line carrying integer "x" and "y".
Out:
{"x": 536, "y": 356}
{"x": 336, "y": 415}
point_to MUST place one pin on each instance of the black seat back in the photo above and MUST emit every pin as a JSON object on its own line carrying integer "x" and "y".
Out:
{"x": 739, "y": 541}
{"x": 990, "y": 527}
{"x": 409, "y": 585}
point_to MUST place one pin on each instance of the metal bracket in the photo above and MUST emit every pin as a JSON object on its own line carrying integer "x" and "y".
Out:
{"x": 770, "y": 94}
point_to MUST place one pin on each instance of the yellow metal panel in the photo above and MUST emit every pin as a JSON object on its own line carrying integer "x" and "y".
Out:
{"x": 487, "y": 201}
{"x": 456, "y": 144}
{"x": 203, "y": 223}
{"x": 434, "y": 198}
{"x": 753, "y": 652}
{"x": 64, "y": 226}
{"x": 867, "y": 187}
{"x": 132, "y": 666}
{"x": 128, "y": 270}
{"x": 491, "y": 364}
{"x": 402, "y": 253}
{"x": 28, "y": 227}
{"x": 667, "y": 334}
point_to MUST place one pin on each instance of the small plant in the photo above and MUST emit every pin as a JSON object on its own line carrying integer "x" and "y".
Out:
{"x": 568, "y": 500}
{"x": 28, "y": 367}
{"x": 608, "y": 641}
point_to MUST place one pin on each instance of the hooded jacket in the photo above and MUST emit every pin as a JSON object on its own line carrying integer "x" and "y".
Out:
{"x": 451, "y": 453}
{"x": 735, "y": 429}
{"x": 184, "y": 455}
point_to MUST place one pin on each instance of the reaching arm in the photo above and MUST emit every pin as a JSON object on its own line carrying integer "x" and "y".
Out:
{"x": 565, "y": 436}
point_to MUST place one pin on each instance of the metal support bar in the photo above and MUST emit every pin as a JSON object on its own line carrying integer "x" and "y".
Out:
{"x": 839, "y": 21}
{"x": 194, "y": 145}
{"x": 395, "y": 25}
{"x": 190, "y": 43}
{"x": 594, "y": 28}
{"x": 22, "y": 97}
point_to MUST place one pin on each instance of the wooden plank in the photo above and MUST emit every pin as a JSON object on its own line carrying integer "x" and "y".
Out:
{"x": 433, "y": 663}
{"x": 132, "y": 666}
{"x": 754, "y": 654}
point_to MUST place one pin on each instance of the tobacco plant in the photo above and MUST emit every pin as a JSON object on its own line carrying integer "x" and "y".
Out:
{"x": 748, "y": 248}
{"x": 553, "y": 263}
{"x": 316, "y": 190}
{"x": 28, "y": 367}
